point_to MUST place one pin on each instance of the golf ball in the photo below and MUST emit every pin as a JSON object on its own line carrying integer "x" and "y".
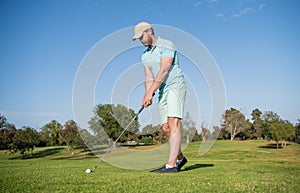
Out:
{"x": 87, "y": 171}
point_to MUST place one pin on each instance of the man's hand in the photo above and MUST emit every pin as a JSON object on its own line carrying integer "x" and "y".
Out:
{"x": 152, "y": 84}
{"x": 147, "y": 99}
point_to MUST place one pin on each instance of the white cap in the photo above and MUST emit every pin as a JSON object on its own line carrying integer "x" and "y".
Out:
{"x": 139, "y": 29}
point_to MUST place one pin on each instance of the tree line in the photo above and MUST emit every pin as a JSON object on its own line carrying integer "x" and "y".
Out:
{"x": 235, "y": 126}
{"x": 109, "y": 120}
{"x": 25, "y": 139}
{"x": 267, "y": 125}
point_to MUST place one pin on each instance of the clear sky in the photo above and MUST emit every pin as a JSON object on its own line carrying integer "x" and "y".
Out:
{"x": 255, "y": 43}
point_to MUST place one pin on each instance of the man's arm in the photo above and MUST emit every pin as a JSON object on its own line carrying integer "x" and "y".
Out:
{"x": 165, "y": 64}
{"x": 148, "y": 78}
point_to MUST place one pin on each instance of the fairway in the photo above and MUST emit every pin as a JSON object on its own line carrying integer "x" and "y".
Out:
{"x": 230, "y": 166}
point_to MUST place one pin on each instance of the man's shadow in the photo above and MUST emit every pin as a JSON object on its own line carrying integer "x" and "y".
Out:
{"x": 196, "y": 166}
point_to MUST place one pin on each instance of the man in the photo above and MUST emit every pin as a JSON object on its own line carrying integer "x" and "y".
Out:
{"x": 162, "y": 71}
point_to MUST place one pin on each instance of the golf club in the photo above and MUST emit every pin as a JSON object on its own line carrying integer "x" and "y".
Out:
{"x": 114, "y": 143}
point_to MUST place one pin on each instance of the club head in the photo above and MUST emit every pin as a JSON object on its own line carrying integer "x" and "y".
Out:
{"x": 88, "y": 171}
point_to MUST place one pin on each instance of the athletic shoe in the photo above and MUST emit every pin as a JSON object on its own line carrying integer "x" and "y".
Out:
{"x": 182, "y": 163}
{"x": 164, "y": 169}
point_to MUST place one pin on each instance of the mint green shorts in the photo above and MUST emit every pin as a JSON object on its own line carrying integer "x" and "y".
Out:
{"x": 171, "y": 101}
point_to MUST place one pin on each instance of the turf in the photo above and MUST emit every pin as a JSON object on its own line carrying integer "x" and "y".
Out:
{"x": 230, "y": 166}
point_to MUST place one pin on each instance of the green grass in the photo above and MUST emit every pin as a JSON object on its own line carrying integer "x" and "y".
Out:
{"x": 230, "y": 166}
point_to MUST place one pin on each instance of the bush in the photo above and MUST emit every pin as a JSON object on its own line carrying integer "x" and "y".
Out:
{"x": 146, "y": 140}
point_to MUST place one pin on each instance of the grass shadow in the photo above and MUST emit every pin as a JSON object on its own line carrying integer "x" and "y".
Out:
{"x": 40, "y": 154}
{"x": 136, "y": 145}
{"x": 197, "y": 166}
{"x": 75, "y": 157}
{"x": 272, "y": 146}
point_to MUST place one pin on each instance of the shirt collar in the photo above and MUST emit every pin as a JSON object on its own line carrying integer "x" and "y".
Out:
{"x": 151, "y": 50}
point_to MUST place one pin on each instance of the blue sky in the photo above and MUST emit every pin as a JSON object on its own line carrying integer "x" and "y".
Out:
{"x": 254, "y": 42}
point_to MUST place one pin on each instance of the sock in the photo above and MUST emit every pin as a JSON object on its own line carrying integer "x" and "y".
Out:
{"x": 179, "y": 161}
{"x": 169, "y": 166}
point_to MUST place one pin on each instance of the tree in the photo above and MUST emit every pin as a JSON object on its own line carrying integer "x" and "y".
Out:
{"x": 187, "y": 124}
{"x": 256, "y": 130}
{"x": 149, "y": 129}
{"x": 297, "y": 127}
{"x": 288, "y": 133}
{"x": 71, "y": 136}
{"x": 7, "y": 132}
{"x": 268, "y": 118}
{"x": 234, "y": 122}
{"x": 204, "y": 132}
{"x": 220, "y": 133}
{"x": 24, "y": 140}
{"x": 112, "y": 120}
{"x": 51, "y": 133}
{"x": 216, "y": 132}
{"x": 89, "y": 139}
{"x": 156, "y": 131}
{"x": 273, "y": 127}
{"x": 32, "y": 138}
{"x": 2, "y": 120}
{"x": 98, "y": 131}
{"x": 194, "y": 134}
{"x": 158, "y": 135}
{"x": 282, "y": 131}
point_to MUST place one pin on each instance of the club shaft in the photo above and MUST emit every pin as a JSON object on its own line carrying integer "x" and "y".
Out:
{"x": 114, "y": 143}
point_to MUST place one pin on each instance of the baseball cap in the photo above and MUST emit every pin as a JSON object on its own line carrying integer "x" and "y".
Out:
{"x": 139, "y": 29}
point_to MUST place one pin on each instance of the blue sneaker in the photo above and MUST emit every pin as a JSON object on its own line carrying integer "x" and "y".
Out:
{"x": 182, "y": 163}
{"x": 164, "y": 169}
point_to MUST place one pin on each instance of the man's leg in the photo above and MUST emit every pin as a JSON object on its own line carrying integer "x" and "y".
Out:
{"x": 176, "y": 159}
{"x": 173, "y": 133}
{"x": 166, "y": 130}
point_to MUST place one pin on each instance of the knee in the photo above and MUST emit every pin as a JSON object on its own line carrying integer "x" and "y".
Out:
{"x": 174, "y": 123}
{"x": 165, "y": 128}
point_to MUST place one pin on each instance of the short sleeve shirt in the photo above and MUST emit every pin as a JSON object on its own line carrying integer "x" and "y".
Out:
{"x": 163, "y": 49}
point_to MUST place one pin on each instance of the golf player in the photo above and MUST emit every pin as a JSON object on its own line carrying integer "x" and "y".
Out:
{"x": 163, "y": 73}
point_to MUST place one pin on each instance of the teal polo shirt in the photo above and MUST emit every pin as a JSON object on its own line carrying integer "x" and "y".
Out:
{"x": 172, "y": 91}
{"x": 163, "y": 49}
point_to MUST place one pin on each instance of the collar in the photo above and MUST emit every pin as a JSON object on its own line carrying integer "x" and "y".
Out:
{"x": 151, "y": 50}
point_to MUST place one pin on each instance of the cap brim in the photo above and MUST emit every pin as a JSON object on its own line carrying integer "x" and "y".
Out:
{"x": 137, "y": 36}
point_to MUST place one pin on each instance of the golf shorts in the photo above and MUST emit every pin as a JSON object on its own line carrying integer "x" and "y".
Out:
{"x": 171, "y": 101}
